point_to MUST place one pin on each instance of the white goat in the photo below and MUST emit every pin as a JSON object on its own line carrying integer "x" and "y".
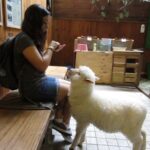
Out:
{"x": 89, "y": 106}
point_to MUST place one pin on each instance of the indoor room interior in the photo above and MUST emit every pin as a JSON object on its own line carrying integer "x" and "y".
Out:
{"x": 112, "y": 37}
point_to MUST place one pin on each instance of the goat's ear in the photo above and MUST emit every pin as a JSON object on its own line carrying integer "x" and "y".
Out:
{"x": 97, "y": 78}
{"x": 72, "y": 71}
{"x": 89, "y": 81}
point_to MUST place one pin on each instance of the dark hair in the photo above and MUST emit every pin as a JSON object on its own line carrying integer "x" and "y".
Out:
{"x": 32, "y": 24}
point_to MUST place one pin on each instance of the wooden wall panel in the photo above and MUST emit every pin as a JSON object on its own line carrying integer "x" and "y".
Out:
{"x": 5, "y": 32}
{"x": 83, "y": 9}
{"x": 75, "y": 18}
{"x": 27, "y": 3}
{"x": 65, "y": 31}
{"x": 146, "y": 57}
{"x": 49, "y": 36}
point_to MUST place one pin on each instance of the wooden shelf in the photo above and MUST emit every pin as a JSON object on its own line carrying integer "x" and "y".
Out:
{"x": 132, "y": 65}
{"x": 126, "y": 67}
{"x": 121, "y": 67}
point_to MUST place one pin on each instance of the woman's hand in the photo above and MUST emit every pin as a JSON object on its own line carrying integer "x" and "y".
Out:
{"x": 56, "y": 46}
{"x": 60, "y": 47}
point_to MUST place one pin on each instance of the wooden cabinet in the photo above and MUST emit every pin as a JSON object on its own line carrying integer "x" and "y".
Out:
{"x": 114, "y": 67}
{"x": 126, "y": 67}
{"x": 99, "y": 62}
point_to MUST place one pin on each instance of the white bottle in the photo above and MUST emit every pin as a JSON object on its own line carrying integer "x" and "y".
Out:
{"x": 94, "y": 47}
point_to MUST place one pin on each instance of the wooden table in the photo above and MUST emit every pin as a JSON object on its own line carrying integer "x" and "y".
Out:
{"x": 56, "y": 71}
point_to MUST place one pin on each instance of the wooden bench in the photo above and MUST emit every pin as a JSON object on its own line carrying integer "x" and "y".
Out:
{"x": 26, "y": 129}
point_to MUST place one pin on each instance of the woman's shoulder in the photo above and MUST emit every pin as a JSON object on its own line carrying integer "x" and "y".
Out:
{"x": 23, "y": 36}
{"x": 23, "y": 41}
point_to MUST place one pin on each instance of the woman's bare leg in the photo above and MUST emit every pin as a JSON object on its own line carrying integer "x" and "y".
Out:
{"x": 63, "y": 108}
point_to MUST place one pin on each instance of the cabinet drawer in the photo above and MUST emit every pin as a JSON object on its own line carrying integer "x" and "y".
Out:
{"x": 132, "y": 65}
{"x": 130, "y": 75}
{"x": 118, "y": 77}
{"x": 132, "y": 57}
{"x": 130, "y": 80}
{"x": 118, "y": 69}
{"x": 119, "y": 59}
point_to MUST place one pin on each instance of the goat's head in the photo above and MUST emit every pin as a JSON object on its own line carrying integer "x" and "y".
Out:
{"x": 83, "y": 74}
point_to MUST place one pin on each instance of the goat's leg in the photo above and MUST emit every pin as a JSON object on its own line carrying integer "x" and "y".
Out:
{"x": 144, "y": 140}
{"x": 79, "y": 131}
{"x": 82, "y": 137}
{"x": 138, "y": 141}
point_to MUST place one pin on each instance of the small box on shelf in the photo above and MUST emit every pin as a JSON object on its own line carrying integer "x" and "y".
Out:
{"x": 88, "y": 40}
{"x": 122, "y": 44}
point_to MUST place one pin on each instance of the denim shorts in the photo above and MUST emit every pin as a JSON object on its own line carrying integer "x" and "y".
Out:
{"x": 40, "y": 90}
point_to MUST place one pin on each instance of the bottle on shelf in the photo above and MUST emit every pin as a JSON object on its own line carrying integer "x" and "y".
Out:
{"x": 94, "y": 46}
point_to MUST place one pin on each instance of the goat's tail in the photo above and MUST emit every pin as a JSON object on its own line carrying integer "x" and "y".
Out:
{"x": 144, "y": 140}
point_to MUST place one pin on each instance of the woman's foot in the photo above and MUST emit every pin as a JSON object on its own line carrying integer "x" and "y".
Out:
{"x": 67, "y": 138}
{"x": 63, "y": 129}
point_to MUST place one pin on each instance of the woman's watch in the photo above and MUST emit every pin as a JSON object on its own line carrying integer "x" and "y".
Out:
{"x": 51, "y": 48}
{"x": 53, "y": 45}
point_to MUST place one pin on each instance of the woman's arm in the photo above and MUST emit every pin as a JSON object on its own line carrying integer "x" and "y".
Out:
{"x": 40, "y": 62}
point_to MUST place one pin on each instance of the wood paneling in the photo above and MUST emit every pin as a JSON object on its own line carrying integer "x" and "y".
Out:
{"x": 65, "y": 31}
{"x": 6, "y": 32}
{"x": 72, "y": 18}
{"x": 84, "y": 9}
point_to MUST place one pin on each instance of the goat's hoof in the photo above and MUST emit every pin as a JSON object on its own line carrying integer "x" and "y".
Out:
{"x": 80, "y": 144}
{"x": 71, "y": 148}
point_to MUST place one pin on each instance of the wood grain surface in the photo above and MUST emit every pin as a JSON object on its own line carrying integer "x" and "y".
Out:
{"x": 22, "y": 129}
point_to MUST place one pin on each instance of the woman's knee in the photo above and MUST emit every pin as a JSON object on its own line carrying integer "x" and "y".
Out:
{"x": 63, "y": 90}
